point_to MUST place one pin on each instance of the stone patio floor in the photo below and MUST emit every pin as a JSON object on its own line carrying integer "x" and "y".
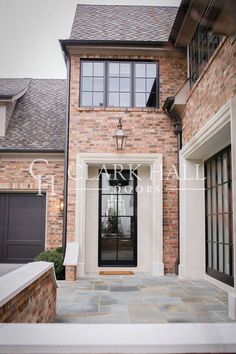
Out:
{"x": 140, "y": 299}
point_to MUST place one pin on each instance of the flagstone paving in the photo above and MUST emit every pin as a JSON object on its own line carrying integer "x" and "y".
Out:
{"x": 140, "y": 299}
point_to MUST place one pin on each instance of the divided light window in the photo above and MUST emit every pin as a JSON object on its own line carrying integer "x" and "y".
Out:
{"x": 118, "y": 84}
{"x": 201, "y": 48}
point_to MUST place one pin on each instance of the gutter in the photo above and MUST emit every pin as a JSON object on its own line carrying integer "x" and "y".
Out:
{"x": 96, "y": 43}
{"x": 64, "y": 237}
{"x": 167, "y": 108}
{"x": 31, "y": 151}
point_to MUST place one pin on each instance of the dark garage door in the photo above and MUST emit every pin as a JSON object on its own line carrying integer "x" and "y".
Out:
{"x": 22, "y": 226}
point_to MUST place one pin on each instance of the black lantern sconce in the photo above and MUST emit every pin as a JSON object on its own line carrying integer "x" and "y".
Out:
{"x": 120, "y": 137}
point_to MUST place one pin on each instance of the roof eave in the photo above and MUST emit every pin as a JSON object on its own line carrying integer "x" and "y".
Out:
{"x": 15, "y": 96}
{"x": 145, "y": 44}
{"x": 184, "y": 25}
{"x": 30, "y": 151}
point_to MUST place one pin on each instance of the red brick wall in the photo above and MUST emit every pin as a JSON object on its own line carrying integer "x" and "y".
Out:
{"x": 149, "y": 130}
{"x": 15, "y": 176}
{"x": 35, "y": 304}
{"x": 213, "y": 89}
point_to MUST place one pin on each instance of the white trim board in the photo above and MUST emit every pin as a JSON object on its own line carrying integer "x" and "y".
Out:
{"x": 155, "y": 162}
{"x": 207, "y": 139}
{"x": 117, "y": 338}
{"x": 217, "y": 133}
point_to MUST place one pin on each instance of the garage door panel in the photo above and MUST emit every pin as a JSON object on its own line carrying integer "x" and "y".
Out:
{"x": 19, "y": 253}
{"x": 22, "y": 230}
{"x": 26, "y": 217}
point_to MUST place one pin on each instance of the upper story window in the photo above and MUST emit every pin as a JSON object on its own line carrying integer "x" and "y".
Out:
{"x": 118, "y": 84}
{"x": 201, "y": 48}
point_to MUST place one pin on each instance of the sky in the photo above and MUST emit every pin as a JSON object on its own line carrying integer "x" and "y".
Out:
{"x": 30, "y": 29}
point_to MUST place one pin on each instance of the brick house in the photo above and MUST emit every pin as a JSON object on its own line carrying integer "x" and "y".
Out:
{"x": 167, "y": 78}
{"x": 32, "y": 134}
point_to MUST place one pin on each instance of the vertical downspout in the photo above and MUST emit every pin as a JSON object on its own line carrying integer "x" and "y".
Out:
{"x": 178, "y": 130}
{"x": 64, "y": 238}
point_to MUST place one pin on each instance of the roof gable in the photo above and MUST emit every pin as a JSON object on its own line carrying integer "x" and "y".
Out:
{"x": 39, "y": 118}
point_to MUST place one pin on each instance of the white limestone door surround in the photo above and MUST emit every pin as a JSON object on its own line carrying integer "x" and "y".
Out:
{"x": 217, "y": 133}
{"x": 154, "y": 162}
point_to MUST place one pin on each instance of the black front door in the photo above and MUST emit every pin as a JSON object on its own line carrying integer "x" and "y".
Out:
{"x": 117, "y": 219}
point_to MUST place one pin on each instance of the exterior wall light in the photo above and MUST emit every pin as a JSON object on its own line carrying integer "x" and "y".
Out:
{"x": 120, "y": 137}
{"x": 61, "y": 205}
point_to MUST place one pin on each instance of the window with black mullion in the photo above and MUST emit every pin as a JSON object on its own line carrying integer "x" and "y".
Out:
{"x": 219, "y": 216}
{"x": 119, "y": 84}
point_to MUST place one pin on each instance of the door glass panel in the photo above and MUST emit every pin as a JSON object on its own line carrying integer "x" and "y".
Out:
{"x": 124, "y": 227}
{"x": 220, "y": 228}
{"x": 125, "y": 205}
{"x": 209, "y": 228}
{"x": 109, "y": 249}
{"x": 218, "y": 196}
{"x": 209, "y": 255}
{"x": 215, "y": 256}
{"x": 221, "y": 257}
{"x": 109, "y": 227}
{"x": 227, "y": 266}
{"x": 109, "y": 205}
{"x": 225, "y": 168}
{"x": 117, "y": 219}
{"x": 219, "y": 172}
{"x": 126, "y": 249}
{"x": 226, "y": 197}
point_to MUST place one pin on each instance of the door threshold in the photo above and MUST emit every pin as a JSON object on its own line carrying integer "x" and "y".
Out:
{"x": 118, "y": 272}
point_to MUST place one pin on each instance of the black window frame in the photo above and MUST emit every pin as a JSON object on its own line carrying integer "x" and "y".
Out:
{"x": 214, "y": 192}
{"x": 132, "y": 79}
{"x": 201, "y": 47}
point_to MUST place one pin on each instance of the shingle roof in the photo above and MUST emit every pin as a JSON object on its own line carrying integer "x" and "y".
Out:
{"x": 38, "y": 120}
{"x": 12, "y": 87}
{"x": 123, "y": 23}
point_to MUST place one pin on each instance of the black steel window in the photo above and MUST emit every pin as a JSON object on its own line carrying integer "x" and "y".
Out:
{"x": 119, "y": 84}
{"x": 219, "y": 241}
{"x": 201, "y": 48}
{"x": 92, "y": 84}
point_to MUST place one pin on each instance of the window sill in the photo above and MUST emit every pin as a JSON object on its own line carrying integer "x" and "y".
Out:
{"x": 118, "y": 109}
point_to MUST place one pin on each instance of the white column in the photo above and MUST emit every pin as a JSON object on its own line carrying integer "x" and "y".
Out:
{"x": 80, "y": 209}
{"x": 192, "y": 220}
{"x": 157, "y": 218}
